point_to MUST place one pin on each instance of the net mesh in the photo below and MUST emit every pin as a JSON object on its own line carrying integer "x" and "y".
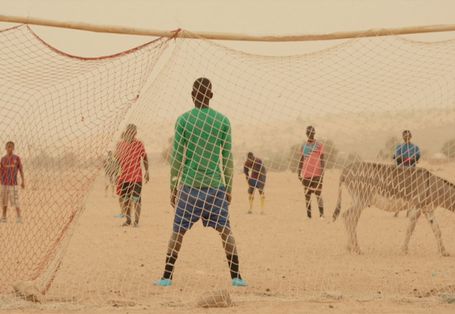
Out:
{"x": 358, "y": 96}
{"x": 62, "y": 112}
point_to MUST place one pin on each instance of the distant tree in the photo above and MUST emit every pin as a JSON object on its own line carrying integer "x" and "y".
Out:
{"x": 69, "y": 159}
{"x": 294, "y": 157}
{"x": 389, "y": 148}
{"x": 352, "y": 158}
{"x": 42, "y": 160}
{"x": 448, "y": 148}
{"x": 276, "y": 162}
{"x": 330, "y": 154}
{"x": 166, "y": 152}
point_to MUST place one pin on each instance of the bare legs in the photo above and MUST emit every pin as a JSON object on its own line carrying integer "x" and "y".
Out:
{"x": 308, "y": 192}
{"x": 230, "y": 248}
{"x": 174, "y": 246}
{"x": 130, "y": 198}
{"x": 251, "y": 200}
{"x": 127, "y": 207}
{"x": 18, "y": 214}
{"x": 229, "y": 245}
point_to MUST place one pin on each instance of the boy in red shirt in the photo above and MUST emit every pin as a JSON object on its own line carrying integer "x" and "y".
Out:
{"x": 129, "y": 154}
{"x": 10, "y": 165}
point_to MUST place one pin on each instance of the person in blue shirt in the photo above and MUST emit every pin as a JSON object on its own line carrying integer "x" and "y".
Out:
{"x": 407, "y": 155}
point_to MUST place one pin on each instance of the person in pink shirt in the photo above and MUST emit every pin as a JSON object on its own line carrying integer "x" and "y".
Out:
{"x": 10, "y": 165}
{"x": 311, "y": 170}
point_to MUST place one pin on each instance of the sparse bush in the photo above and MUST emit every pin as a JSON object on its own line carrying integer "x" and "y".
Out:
{"x": 346, "y": 159}
{"x": 330, "y": 154}
{"x": 448, "y": 149}
{"x": 389, "y": 148}
{"x": 42, "y": 160}
{"x": 276, "y": 162}
{"x": 294, "y": 157}
{"x": 166, "y": 152}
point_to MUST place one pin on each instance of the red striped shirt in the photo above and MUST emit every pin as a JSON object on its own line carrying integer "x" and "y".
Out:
{"x": 10, "y": 165}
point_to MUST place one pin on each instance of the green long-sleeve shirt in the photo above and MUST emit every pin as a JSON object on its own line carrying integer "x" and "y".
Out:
{"x": 202, "y": 143}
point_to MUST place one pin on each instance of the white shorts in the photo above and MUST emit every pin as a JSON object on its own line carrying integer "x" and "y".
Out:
{"x": 11, "y": 193}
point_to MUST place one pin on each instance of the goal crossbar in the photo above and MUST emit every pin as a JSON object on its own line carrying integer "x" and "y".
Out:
{"x": 115, "y": 29}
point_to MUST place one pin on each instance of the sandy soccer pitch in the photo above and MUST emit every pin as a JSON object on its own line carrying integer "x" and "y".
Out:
{"x": 292, "y": 264}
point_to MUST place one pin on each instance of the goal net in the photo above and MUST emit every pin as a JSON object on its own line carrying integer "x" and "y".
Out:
{"x": 61, "y": 112}
{"x": 65, "y": 113}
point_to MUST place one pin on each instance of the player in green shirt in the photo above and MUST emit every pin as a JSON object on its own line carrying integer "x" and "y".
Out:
{"x": 201, "y": 178}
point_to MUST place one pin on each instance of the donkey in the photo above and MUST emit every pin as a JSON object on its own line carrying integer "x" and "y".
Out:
{"x": 393, "y": 188}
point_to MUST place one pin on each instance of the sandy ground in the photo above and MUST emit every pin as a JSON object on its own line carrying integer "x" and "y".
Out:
{"x": 292, "y": 264}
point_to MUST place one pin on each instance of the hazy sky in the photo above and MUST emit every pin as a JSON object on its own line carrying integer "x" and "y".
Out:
{"x": 242, "y": 16}
{"x": 259, "y": 17}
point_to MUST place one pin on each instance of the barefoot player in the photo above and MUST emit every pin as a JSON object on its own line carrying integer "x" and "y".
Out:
{"x": 311, "y": 170}
{"x": 256, "y": 175}
{"x": 202, "y": 171}
{"x": 129, "y": 153}
{"x": 10, "y": 165}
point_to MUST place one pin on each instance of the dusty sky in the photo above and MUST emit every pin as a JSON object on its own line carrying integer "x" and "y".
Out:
{"x": 253, "y": 17}
{"x": 242, "y": 16}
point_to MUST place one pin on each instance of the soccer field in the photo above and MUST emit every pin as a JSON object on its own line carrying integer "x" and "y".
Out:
{"x": 292, "y": 264}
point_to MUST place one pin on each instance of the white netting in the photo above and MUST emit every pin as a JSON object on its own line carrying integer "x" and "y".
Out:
{"x": 61, "y": 112}
{"x": 358, "y": 95}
